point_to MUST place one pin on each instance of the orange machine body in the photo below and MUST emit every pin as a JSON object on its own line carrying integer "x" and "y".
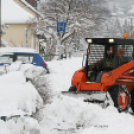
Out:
{"x": 118, "y": 81}
{"x": 116, "y": 77}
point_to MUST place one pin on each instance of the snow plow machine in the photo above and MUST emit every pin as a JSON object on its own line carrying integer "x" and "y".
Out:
{"x": 113, "y": 82}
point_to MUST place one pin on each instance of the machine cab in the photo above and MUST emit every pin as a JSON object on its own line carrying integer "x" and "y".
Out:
{"x": 98, "y": 59}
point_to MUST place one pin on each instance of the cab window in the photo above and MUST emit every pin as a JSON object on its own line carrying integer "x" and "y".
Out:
{"x": 125, "y": 53}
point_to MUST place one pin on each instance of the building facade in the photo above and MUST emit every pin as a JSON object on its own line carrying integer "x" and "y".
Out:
{"x": 20, "y": 35}
{"x": 20, "y": 30}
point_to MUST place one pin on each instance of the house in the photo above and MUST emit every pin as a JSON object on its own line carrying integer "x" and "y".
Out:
{"x": 44, "y": 44}
{"x": 28, "y": 5}
{"x": 20, "y": 31}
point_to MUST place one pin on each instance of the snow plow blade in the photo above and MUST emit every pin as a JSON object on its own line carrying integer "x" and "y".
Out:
{"x": 98, "y": 97}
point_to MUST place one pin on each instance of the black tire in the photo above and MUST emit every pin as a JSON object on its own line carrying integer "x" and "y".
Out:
{"x": 122, "y": 103}
{"x": 72, "y": 88}
{"x": 132, "y": 102}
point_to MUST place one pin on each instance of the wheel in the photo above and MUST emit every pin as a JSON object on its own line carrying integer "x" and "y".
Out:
{"x": 72, "y": 88}
{"x": 132, "y": 102}
{"x": 121, "y": 97}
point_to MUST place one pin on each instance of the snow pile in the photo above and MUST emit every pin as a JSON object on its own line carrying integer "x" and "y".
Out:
{"x": 20, "y": 97}
{"x": 23, "y": 125}
{"x": 62, "y": 72}
{"x": 17, "y": 97}
{"x": 109, "y": 121}
{"x": 39, "y": 78}
{"x": 29, "y": 70}
{"x": 66, "y": 113}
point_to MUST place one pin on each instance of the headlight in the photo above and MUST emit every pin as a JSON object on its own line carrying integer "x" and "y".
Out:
{"x": 89, "y": 40}
{"x": 111, "y": 40}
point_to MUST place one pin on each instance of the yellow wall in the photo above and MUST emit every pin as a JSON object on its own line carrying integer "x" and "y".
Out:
{"x": 16, "y": 32}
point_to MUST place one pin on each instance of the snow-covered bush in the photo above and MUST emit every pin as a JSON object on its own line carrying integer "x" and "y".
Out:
{"x": 4, "y": 43}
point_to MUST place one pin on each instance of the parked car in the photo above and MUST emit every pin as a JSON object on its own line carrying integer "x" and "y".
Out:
{"x": 7, "y": 56}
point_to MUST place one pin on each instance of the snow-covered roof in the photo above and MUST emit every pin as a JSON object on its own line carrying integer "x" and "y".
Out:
{"x": 12, "y": 13}
{"x": 29, "y": 8}
{"x": 16, "y": 49}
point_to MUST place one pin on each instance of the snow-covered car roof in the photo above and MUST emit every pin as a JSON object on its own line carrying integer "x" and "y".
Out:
{"x": 4, "y": 53}
{"x": 15, "y": 49}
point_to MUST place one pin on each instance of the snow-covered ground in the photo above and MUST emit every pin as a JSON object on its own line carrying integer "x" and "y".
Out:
{"x": 63, "y": 114}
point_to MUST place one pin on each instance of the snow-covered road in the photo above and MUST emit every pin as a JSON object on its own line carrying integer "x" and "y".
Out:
{"x": 66, "y": 113}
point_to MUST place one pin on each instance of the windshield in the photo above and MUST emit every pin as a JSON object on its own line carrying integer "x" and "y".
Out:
{"x": 124, "y": 54}
{"x": 127, "y": 50}
{"x": 7, "y": 58}
{"x": 95, "y": 55}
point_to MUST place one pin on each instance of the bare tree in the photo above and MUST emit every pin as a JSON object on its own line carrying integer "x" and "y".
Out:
{"x": 3, "y": 32}
{"x": 82, "y": 19}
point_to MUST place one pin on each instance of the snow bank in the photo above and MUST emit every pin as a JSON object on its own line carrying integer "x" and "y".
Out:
{"x": 20, "y": 97}
{"x": 24, "y": 125}
{"x": 66, "y": 113}
{"x": 29, "y": 70}
{"x": 62, "y": 72}
{"x": 109, "y": 121}
{"x": 17, "y": 97}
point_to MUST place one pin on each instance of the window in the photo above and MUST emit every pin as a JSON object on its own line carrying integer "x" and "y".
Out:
{"x": 96, "y": 55}
{"x": 25, "y": 58}
{"x": 128, "y": 50}
{"x": 125, "y": 54}
{"x": 6, "y": 59}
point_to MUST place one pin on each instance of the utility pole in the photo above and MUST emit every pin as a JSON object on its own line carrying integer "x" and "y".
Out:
{"x": 0, "y": 25}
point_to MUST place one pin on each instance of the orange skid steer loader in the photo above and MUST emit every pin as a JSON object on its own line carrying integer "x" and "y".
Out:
{"x": 107, "y": 75}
